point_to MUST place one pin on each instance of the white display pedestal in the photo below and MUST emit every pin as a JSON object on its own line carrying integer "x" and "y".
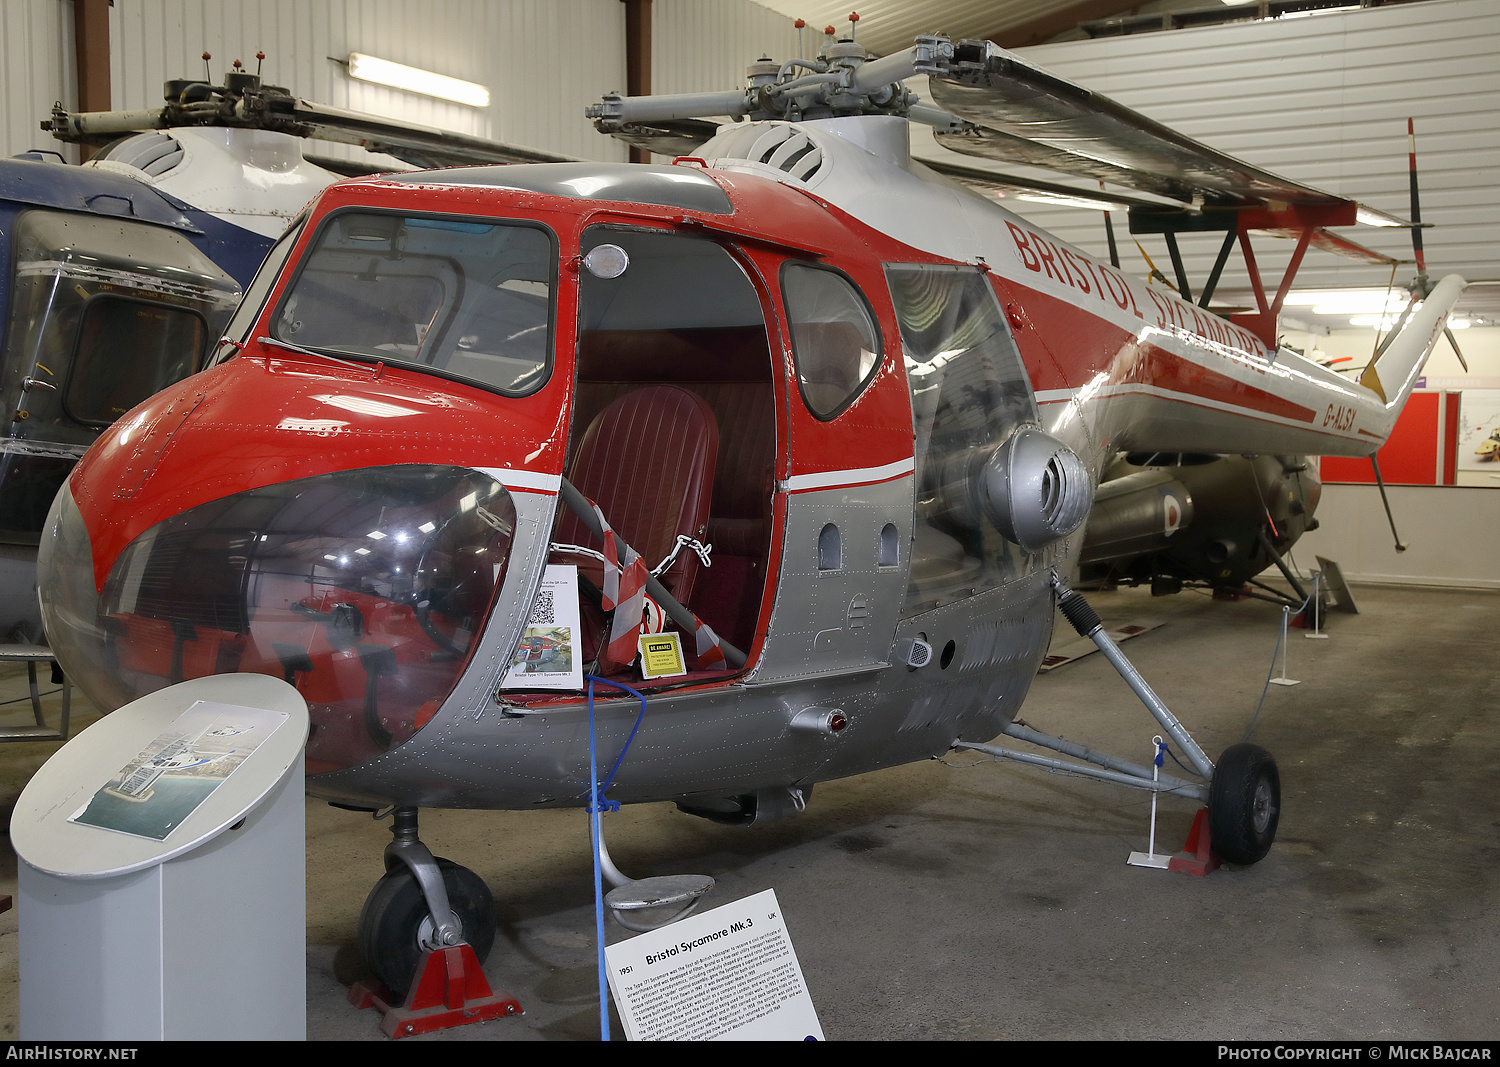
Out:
{"x": 201, "y": 935}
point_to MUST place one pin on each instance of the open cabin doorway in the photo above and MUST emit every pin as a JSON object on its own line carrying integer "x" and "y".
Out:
{"x": 673, "y": 362}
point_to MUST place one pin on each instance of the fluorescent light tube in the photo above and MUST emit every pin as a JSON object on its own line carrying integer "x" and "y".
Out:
{"x": 416, "y": 80}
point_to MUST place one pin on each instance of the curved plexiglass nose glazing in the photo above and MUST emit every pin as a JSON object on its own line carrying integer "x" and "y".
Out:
{"x": 367, "y": 589}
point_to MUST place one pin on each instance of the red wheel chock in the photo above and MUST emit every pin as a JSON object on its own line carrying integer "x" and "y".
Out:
{"x": 450, "y": 990}
{"x": 1197, "y": 856}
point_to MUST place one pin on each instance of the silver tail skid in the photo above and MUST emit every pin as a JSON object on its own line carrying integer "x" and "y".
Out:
{"x": 1243, "y": 793}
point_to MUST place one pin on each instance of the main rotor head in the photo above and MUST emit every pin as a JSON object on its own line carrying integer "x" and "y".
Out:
{"x": 842, "y": 81}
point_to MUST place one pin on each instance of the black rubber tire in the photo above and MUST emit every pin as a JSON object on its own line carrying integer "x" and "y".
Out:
{"x": 1244, "y": 804}
{"x": 395, "y": 909}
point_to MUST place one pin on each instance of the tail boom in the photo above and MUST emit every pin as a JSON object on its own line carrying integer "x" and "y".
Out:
{"x": 1182, "y": 396}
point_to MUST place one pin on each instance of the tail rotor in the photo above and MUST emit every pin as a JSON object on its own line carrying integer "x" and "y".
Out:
{"x": 1420, "y": 286}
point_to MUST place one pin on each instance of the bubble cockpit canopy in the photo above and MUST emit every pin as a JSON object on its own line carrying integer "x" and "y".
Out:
{"x": 366, "y": 588}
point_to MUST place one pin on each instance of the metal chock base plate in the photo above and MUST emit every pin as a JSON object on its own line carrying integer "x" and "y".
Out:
{"x": 1147, "y": 859}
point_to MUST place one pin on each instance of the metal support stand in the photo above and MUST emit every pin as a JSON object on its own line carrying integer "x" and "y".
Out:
{"x": 1150, "y": 858}
{"x": 1315, "y": 605}
{"x": 31, "y": 655}
{"x": 1284, "y": 680}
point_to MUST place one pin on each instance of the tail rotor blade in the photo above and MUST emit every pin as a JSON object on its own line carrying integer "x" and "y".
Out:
{"x": 1456, "y": 350}
{"x": 1416, "y": 207}
{"x": 1416, "y": 232}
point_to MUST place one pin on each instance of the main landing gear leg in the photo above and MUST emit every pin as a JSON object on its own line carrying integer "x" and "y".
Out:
{"x": 426, "y": 928}
{"x": 1244, "y": 795}
{"x": 1088, "y": 624}
{"x": 1243, "y": 792}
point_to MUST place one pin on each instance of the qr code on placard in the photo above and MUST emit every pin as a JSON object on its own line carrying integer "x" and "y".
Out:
{"x": 542, "y": 613}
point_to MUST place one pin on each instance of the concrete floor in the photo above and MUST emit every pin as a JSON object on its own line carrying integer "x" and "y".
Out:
{"x": 960, "y": 899}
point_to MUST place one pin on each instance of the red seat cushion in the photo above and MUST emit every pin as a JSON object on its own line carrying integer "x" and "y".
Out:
{"x": 648, "y": 461}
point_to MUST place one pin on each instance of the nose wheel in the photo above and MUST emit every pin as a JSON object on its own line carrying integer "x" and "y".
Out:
{"x": 1244, "y": 804}
{"x": 396, "y": 928}
{"x": 425, "y": 931}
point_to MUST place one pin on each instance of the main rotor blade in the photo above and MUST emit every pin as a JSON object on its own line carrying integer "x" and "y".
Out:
{"x": 423, "y": 146}
{"x": 1456, "y": 350}
{"x": 1085, "y": 133}
{"x": 990, "y": 143}
{"x": 669, "y": 137}
{"x": 1011, "y": 183}
{"x": 1329, "y": 241}
{"x": 273, "y": 108}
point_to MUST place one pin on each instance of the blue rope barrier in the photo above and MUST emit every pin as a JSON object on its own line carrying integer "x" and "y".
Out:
{"x": 599, "y": 802}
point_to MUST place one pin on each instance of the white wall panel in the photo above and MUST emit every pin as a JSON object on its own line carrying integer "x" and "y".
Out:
{"x": 887, "y": 26}
{"x": 705, "y": 45}
{"x": 36, "y": 50}
{"x": 1322, "y": 100}
{"x": 543, "y": 60}
{"x": 1444, "y": 525}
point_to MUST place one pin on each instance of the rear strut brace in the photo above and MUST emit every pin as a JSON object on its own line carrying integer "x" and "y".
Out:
{"x": 1122, "y": 772}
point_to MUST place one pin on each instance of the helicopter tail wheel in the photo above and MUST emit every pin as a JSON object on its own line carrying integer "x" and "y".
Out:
{"x": 396, "y": 929}
{"x": 1244, "y": 804}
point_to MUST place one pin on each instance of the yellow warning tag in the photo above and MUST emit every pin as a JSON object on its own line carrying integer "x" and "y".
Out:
{"x": 661, "y": 655}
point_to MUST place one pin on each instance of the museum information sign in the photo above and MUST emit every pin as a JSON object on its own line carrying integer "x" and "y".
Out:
{"x": 727, "y": 973}
{"x": 152, "y": 794}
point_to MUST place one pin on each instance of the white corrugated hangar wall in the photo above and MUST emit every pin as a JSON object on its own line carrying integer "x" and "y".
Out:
{"x": 1321, "y": 99}
{"x": 1324, "y": 100}
{"x": 542, "y": 60}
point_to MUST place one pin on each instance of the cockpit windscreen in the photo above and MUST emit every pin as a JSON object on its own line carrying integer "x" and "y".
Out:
{"x": 466, "y": 299}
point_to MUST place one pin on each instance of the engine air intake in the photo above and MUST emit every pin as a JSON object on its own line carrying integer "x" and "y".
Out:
{"x": 1035, "y": 489}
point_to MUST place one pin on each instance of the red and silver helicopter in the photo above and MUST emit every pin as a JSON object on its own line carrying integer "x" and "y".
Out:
{"x": 852, "y": 414}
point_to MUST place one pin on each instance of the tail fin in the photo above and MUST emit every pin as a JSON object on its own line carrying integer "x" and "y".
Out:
{"x": 1393, "y": 373}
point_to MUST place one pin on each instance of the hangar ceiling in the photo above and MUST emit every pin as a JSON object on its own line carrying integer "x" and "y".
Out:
{"x": 888, "y": 25}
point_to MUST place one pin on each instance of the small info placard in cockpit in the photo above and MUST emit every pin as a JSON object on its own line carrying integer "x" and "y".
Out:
{"x": 547, "y": 656}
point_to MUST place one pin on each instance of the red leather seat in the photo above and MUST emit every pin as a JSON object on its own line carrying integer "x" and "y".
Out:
{"x": 648, "y": 461}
